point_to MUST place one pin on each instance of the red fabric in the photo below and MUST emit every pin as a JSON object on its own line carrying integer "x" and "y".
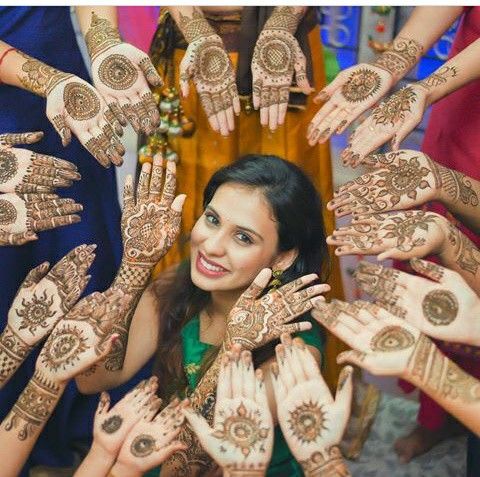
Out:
{"x": 137, "y": 25}
{"x": 5, "y": 53}
{"x": 452, "y": 138}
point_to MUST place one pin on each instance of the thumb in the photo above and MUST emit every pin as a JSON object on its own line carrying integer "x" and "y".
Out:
{"x": 60, "y": 125}
{"x": 12, "y": 139}
{"x": 107, "y": 346}
{"x": 185, "y": 72}
{"x": 405, "y": 129}
{"x": 177, "y": 204}
{"x": 353, "y": 357}
{"x": 150, "y": 72}
{"x": 35, "y": 275}
{"x": 343, "y": 396}
{"x": 326, "y": 93}
{"x": 429, "y": 269}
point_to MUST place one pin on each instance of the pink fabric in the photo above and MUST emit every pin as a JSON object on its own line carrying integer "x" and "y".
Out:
{"x": 137, "y": 25}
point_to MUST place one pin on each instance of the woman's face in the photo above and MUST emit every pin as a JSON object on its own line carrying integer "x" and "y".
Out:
{"x": 233, "y": 240}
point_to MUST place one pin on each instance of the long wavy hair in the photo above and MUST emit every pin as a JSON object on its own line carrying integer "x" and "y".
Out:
{"x": 297, "y": 209}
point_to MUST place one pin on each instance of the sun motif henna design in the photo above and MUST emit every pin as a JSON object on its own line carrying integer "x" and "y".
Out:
{"x": 242, "y": 429}
{"x": 112, "y": 424}
{"x": 81, "y": 103}
{"x": 35, "y": 312}
{"x": 361, "y": 84}
{"x": 392, "y": 338}
{"x": 394, "y": 108}
{"x": 307, "y": 421}
{"x": 440, "y": 307}
{"x": 8, "y": 165}
{"x": 63, "y": 347}
{"x": 143, "y": 445}
{"x": 8, "y": 213}
{"x": 117, "y": 72}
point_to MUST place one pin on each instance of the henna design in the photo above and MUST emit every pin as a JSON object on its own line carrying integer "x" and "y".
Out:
{"x": 8, "y": 212}
{"x": 361, "y": 84}
{"x": 40, "y": 78}
{"x": 331, "y": 464}
{"x": 13, "y": 351}
{"x": 307, "y": 421}
{"x": 100, "y": 36}
{"x": 428, "y": 269}
{"x": 8, "y": 165}
{"x": 112, "y": 424}
{"x": 64, "y": 347}
{"x": 143, "y": 445}
{"x": 394, "y": 108}
{"x": 392, "y": 338}
{"x": 456, "y": 185}
{"x": 467, "y": 255}
{"x": 33, "y": 407}
{"x": 284, "y": 18}
{"x": 242, "y": 429}
{"x": 81, "y": 102}
{"x": 12, "y": 139}
{"x": 117, "y": 72}
{"x": 35, "y": 312}
{"x": 439, "y": 77}
{"x": 275, "y": 55}
{"x": 401, "y": 57}
{"x": 194, "y": 27}
{"x": 440, "y": 307}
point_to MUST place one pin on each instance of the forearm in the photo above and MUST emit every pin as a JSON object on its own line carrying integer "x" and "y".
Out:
{"x": 285, "y": 18}
{"x": 191, "y": 22}
{"x": 456, "y": 391}
{"x": 325, "y": 463}
{"x": 97, "y": 462}
{"x": 455, "y": 73}
{"x": 86, "y": 13}
{"x": 22, "y": 426}
{"x": 23, "y": 71}
{"x": 461, "y": 255}
{"x": 460, "y": 194}
{"x": 13, "y": 352}
{"x": 423, "y": 28}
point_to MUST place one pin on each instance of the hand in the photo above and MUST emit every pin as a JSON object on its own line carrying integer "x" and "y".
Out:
{"x": 242, "y": 434}
{"x": 276, "y": 56}
{"x": 82, "y": 338}
{"x": 21, "y": 215}
{"x": 400, "y": 180}
{"x": 151, "y": 223}
{"x": 381, "y": 343}
{"x": 45, "y": 296}
{"x": 112, "y": 425}
{"x": 311, "y": 420}
{"x": 23, "y": 171}
{"x": 442, "y": 306}
{"x": 351, "y": 93}
{"x": 207, "y": 63}
{"x": 151, "y": 441}
{"x": 392, "y": 120}
{"x": 75, "y": 106}
{"x": 121, "y": 74}
{"x": 255, "y": 320}
{"x": 400, "y": 235}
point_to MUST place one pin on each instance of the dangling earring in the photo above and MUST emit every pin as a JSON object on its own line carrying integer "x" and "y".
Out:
{"x": 276, "y": 280}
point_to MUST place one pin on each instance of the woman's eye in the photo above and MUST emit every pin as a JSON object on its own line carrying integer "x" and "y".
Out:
{"x": 244, "y": 238}
{"x": 211, "y": 218}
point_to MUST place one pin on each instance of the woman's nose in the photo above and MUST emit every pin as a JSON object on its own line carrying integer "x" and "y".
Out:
{"x": 215, "y": 244}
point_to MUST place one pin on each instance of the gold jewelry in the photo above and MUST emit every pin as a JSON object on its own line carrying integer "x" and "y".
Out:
{"x": 276, "y": 280}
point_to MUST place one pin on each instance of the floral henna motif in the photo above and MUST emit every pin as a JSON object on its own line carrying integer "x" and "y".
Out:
{"x": 392, "y": 338}
{"x": 307, "y": 421}
{"x": 361, "y": 84}
{"x": 393, "y": 110}
{"x": 440, "y": 307}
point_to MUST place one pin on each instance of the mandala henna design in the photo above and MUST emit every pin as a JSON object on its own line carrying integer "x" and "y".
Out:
{"x": 13, "y": 351}
{"x": 64, "y": 347}
{"x": 33, "y": 407}
{"x": 117, "y": 72}
{"x": 361, "y": 84}
{"x": 212, "y": 64}
{"x": 440, "y": 307}
{"x": 112, "y": 424}
{"x": 8, "y": 165}
{"x": 81, "y": 102}
{"x": 100, "y": 36}
{"x": 274, "y": 56}
{"x": 392, "y": 338}
{"x": 394, "y": 108}
{"x": 307, "y": 422}
{"x": 401, "y": 57}
{"x": 143, "y": 445}
{"x": 35, "y": 312}
{"x": 8, "y": 212}
{"x": 194, "y": 27}
{"x": 242, "y": 430}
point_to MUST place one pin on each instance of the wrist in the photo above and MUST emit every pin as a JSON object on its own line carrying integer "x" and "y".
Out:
{"x": 100, "y": 458}
{"x": 325, "y": 463}
{"x": 233, "y": 472}
{"x": 123, "y": 469}
{"x": 420, "y": 361}
{"x": 101, "y": 36}
{"x": 132, "y": 277}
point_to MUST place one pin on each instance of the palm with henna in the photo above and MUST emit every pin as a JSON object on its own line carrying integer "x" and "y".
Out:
{"x": 311, "y": 420}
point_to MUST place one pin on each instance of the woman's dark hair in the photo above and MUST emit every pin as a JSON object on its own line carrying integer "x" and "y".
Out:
{"x": 297, "y": 209}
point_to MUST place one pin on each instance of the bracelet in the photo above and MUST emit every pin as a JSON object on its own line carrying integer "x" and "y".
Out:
{"x": 5, "y": 53}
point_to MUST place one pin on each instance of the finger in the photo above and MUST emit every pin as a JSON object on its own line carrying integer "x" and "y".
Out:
{"x": 309, "y": 366}
{"x": 114, "y": 115}
{"x": 60, "y": 125}
{"x": 283, "y": 104}
{"x": 177, "y": 204}
{"x": 54, "y": 222}
{"x": 292, "y": 357}
{"x": 151, "y": 107}
{"x": 67, "y": 209}
{"x": 170, "y": 186}
{"x": 131, "y": 116}
{"x": 16, "y": 239}
{"x": 406, "y": 127}
{"x": 235, "y": 364}
{"x": 428, "y": 269}
{"x": 232, "y": 88}
{"x": 293, "y": 328}
{"x": 248, "y": 375}
{"x": 128, "y": 197}
{"x": 105, "y": 348}
{"x": 185, "y": 73}
{"x": 224, "y": 385}
{"x": 103, "y": 403}
{"x": 310, "y": 292}
{"x": 156, "y": 178}
{"x": 258, "y": 285}
{"x": 279, "y": 390}
{"x": 144, "y": 183}
{"x": 222, "y": 121}
{"x": 256, "y": 93}
{"x": 300, "y": 65}
{"x": 143, "y": 116}
{"x": 96, "y": 150}
{"x": 13, "y": 139}
{"x": 210, "y": 112}
{"x": 35, "y": 275}
{"x": 354, "y": 357}
{"x": 150, "y": 72}
{"x": 264, "y": 105}
{"x": 343, "y": 396}
{"x": 297, "y": 284}
{"x": 319, "y": 119}
{"x": 113, "y": 147}
{"x": 286, "y": 374}
{"x": 260, "y": 391}
{"x": 273, "y": 109}
{"x": 326, "y": 93}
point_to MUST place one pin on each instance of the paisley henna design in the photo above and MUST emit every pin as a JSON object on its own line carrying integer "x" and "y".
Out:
{"x": 329, "y": 465}
{"x": 400, "y": 57}
{"x": 8, "y": 213}
{"x": 393, "y": 110}
{"x": 143, "y": 445}
{"x": 100, "y": 36}
{"x": 440, "y": 307}
{"x": 81, "y": 103}
{"x": 117, "y": 72}
{"x": 392, "y": 338}
{"x": 307, "y": 421}
{"x": 112, "y": 424}
{"x": 33, "y": 407}
{"x": 361, "y": 84}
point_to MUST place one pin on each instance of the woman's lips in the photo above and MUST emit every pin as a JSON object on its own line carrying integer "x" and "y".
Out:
{"x": 208, "y": 268}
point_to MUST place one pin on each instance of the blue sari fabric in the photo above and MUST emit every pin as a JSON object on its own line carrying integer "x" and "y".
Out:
{"x": 47, "y": 34}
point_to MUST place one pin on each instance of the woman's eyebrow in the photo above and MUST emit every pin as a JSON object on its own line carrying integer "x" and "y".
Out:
{"x": 247, "y": 229}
